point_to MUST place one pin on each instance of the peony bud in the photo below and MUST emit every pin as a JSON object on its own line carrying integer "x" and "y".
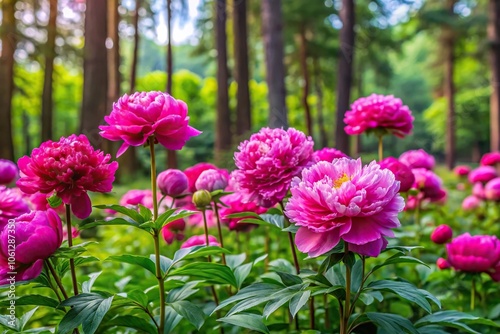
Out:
{"x": 172, "y": 182}
{"x": 442, "y": 234}
{"x": 202, "y": 198}
{"x": 8, "y": 171}
{"x": 402, "y": 172}
{"x": 492, "y": 190}
{"x": 442, "y": 264}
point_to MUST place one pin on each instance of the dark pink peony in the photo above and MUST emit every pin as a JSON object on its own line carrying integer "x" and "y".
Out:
{"x": 429, "y": 184}
{"x": 12, "y": 205}
{"x": 8, "y": 171}
{"x": 482, "y": 174}
{"x": 134, "y": 197}
{"x": 471, "y": 202}
{"x": 141, "y": 115}
{"x": 174, "y": 231}
{"x": 379, "y": 113}
{"x": 194, "y": 172}
{"x": 267, "y": 162}
{"x": 462, "y": 170}
{"x": 212, "y": 179}
{"x": 479, "y": 253}
{"x": 490, "y": 159}
{"x": 38, "y": 201}
{"x": 441, "y": 234}
{"x": 200, "y": 240}
{"x": 418, "y": 159}
{"x": 492, "y": 190}
{"x": 328, "y": 154}
{"x": 38, "y": 235}
{"x": 70, "y": 167}
{"x": 402, "y": 172}
{"x": 172, "y": 182}
{"x": 344, "y": 200}
{"x": 442, "y": 264}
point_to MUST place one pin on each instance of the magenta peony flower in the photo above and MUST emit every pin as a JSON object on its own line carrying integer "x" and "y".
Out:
{"x": 8, "y": 171}
{"x": 200, "y": 240}
{"x": 490, "y": 159}
{"x": 212, "y": 179}
{"x": 172, "y": 182}
{"x": 173, "y": 231}
{"x": 492, "y": 189}
{"x": 70, "y": 167}
{"x": 344, "y": 200}
{"x": 139, "y": 116}
{"x": 194, "y": 172}
{"x": 429, "y": 184}
{"x": 235, "y": 204}
{"x": 38, "y": 235}
{"x": 461, "y": 170}
{"x": 134, "y": 197}
{"x": 267, "y": 162}
{"x": 402, "y": 172}
{"x": 441, "y": 234}
{"x": 482, "y": 174}
{"x": 442, "y": 264}
{"x": 328, "y": 154}
{"x": 379, "y": 113}
{"x": 479, "y": 253}
{"x": 12, "y": 205}
{"x": 418, "y": 159}
{"x": 478, "y": 190}
{"x": 38, "y": 201}
{"x": 471, "y": 202}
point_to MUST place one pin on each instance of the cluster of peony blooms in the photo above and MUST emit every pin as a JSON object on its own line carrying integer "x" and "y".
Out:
{"x": 470, "y": 254}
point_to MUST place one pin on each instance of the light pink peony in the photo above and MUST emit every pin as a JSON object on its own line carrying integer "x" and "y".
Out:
{"x": 267, "y": 162}
{"x": 379, "y": 113}
{"x": 429, "y": 184}
{"x": 418, "y": 159}
{"x": 134, "y": 197}
{"x": 212, "y": 179}
{"x": 462, "y": 170}
{"x": 12, "y": 205}
{"x": 492, "y": 189}
{"x": 471, "y": 202}
{"x": 490, "y": 159}
{"x": 200, "y": 240}
{"x": 344, "y": 200}
{"x": 8, "y": 171}
{"x": 402, "y": 172}
{"x": 70, "y": 167}
{"x": 441, "y": 234}
{"x": 235, "y": 204}
{"x": 194, "y": 172}
{"x": 482, "y": 174}
{"x": 172, "y": 182}
{"x": 141, "y": 115}
{"x": 328, "y": 154}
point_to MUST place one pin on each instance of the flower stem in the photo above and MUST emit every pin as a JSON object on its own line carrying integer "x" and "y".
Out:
{"x": 56, "y": 278}
{"x": 70, "y": 244}
{"x": 380, "y": 148}
{"x": 159, "y": 276}
{"x": 327, "y": 311}
{"x": 473, "y": 294}
{"x": 290, "y": 238}
{"x": 312, "y": 324}
{"x": 347, "y": 307}
{"x": 220, "y": 231}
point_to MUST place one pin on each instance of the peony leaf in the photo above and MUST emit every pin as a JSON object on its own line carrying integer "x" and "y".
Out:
{"x": 87, "y": 309}
{"x": 455, "y": 319}
{"x": 135, "y": 259}
{"x": 391, "y": 323}
{"x": 213, "y": 273}
{"x": 246, "y": 320}
{"x": 190, "y": 312}
{"x": 134, "y": 322}
{"x": 131, "y": 213}
{"x": 299, "y": 300}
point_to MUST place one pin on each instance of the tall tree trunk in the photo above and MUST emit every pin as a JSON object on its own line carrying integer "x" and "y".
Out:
{"x": 9, "y": 40}
{"x": 243, "y": 107}
{"x": 344, "y": 73}
{"x": 26, "y": 133}
{"x": 223, "y": 126}
{"x": 359, "y": 142}
{"x": 494, "y": 40}
{"x": 50, "y": 53}
{"x": 95, "y": 71}
{"x": 272, "y": 24}
{"x": 305, "y": 76}
{"x": 171, "y": 155}
{"x": 323, "y": 138}
{"x": 135, "y": 52}
{"x": 449, "y": 89}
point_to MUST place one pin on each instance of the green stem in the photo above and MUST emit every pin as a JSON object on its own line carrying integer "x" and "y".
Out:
{"x": 159, "y": 276}
{"x": 70, "y": 244}
{"x": 417, "y": 218}
{"x": 347, "y": 307}
{"x": 473, "y": 294}
{"x": 311, "y": 313}
{"x": 380, "y": 148}
{"x": 292, "y": 243}
{"x": 219, "y": 229}
{"x": 56, "y": 278}
{"x": 327, "y": 312}
{"x": 356, "y": 296}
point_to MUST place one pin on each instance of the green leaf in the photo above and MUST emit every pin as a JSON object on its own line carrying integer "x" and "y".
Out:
{"x": 25, "y": 318}
{"x": 234, "y": 261}
{"x": 139, "y": 297}
{"x": 63, "y": 266}
{"x": 37, "y": 300}
{"x": 134, "y": 322}
{"x": 198, "y": 251}
{"x": 172, "y": 319}
{"x": 246, "y": 320}
{"x": 183, "y": 292}
{"x": 356, "y": 276}
{"x": 274, "y": 220}
{"x": 399, "y": 258}
{"x": 256, "y": 290}
{"x": 114, "y": 221}
{"x": 71, "y": 252}
{"x": 392, "y": 323}
{"x": 165, "y": 262}
{"x": 404, "y": 290}
{"x": 241, "y": 273}
{"x": 214, "y": 273}
{"x": 87, "y": 309}
{"x": 244, "y": 214}
{"x": 131, "y": 213}
{"x": 146, "y": 213}
{"x": 87, "y": 285}
{"x": 190, "y": 312}
{"x": 401, "y": 249}
{"x": 289, "y": 279}
{"x": 455, "y": 319}
{"x": 135, "y": 259}
{"x": 171, "y": 215}
{"x": 54, "y": 201}
{"x": 299, "y": 300}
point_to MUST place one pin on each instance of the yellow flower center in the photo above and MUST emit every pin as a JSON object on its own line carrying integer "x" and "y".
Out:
{"x": 338, "y": 182}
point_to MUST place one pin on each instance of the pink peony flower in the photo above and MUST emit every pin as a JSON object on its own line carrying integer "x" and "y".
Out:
{"x": 479, "y": 253}
{"x": 328, "y": 154}
{"x": 462, "y": 170}
{"x": 379, "y": 113}
{"x": 267, "y": 162}
{"x": 38, "y": 235}
{"x": 212, "y": 179}
{"x": 134, "y": 197}
{"x": 8, "y": 171}
{"x": 172, "y": 182}
{"x": 12, "y": 205}
{"x": 200, "y": 240}
{"x": 402, "y": 172}
{"x": 492, "y": 189}
{"x": 70, "y": 167}
{"x": 443, "y": 264}
{"x": 471, "y": 202}
{"x": 482, "y": 174}
{"x": 235, "y": 204}
{"x": 194, "y": 172}
{"x": 441, "y": 234}
{"x": 418, "y": 159}
{"x": 139, "y": 116}
{"x": 490, "y": 159}
{"x": 173, "y": 231}
{"x": 478, "y": 190}
{"x": 344, "y": 200}
{"x": 38, "y": 201}
{"x": 429, "y": 184}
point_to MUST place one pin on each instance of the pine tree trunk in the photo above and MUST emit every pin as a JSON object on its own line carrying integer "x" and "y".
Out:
{"x": 171, "y": 155}
{"x": 223, "y": 124}
{"x": 305, "y": 76}
{"x": 50, "y": 53}
{"x": 449, "y": 90}
{"x": 323, "y": 138}
{"x": 243, "y": 107}
{"x": 494, "y": 40}
{"x": 272, "y": 24}
{"x": 135, "y": 52}
{"x": 9, "y": 40}
{"x": 344, "y": 73}
{"x": 95, "y": 71}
